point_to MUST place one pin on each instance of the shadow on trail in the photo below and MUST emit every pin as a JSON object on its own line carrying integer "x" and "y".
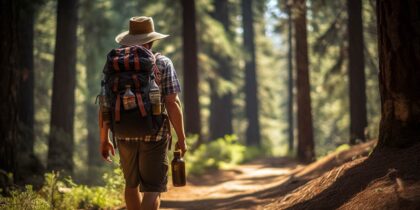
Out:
{"x": 358, "y": 177}
{"x": 238, "y": 201}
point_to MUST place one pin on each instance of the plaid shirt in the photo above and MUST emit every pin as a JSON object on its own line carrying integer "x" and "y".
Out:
{"x": 169, "y": 84}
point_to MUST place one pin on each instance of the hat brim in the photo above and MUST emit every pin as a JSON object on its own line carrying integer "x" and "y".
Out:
{"x": 127, "y": 39}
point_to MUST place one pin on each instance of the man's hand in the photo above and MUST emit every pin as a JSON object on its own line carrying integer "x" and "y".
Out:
{"x": 173, "y": 106}
{"x": 182, "y": 145}
{"x": 105, "y": 148}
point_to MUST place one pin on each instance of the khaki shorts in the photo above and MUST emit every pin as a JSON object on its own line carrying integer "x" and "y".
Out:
{"x": 145, "y": 163}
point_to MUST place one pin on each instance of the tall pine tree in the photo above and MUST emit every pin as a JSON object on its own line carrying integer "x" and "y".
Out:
{"x": 290, "y": 84}
{"x": 305, "y": 147}
{"x": 221, "y": 104}
{"x": 95, "y": 31}
{"x": 191, "y": 100}
{"x": 9, "y": 87}
{"x": 60, "y": 142}
{"x": 251, "y": 107}
{"x": 357, "y": 83}
{"x": 29, "y": 167}
{"x": 399, "y": 60}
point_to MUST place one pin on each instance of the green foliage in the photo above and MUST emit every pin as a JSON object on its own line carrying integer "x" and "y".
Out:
{"x": 23, "y": 199}
{"x": 221, "y": 153}
{"x": 102, "y": 197}
{"x": 59, "y": 193}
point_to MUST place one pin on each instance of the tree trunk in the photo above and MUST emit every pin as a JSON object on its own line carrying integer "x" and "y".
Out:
{"x": 29, "y": 168}
{"x": 26, "y": 92}
{"x": 221, "y": 105}
{"x": 60, "y": 144}
{"x": 357, "y": 83}
{"x": 399, "y": 76}
{"x": 305, "y": 150}
{"x": 93, "y": 29}
{"x": 9, "y": 88}
{"x": 92, "y": 81}
{"x": 253, "y": 129}
{"x": 290, "y": 80}
{"x": 189, "y": 37}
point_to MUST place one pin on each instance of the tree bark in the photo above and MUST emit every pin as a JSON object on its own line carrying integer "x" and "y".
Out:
{"x": 60, "y": 144}
{"x": 29, "y": 167}
{"x": 93, "y": 29}
{"x": 290, "y": 83}
{"x": 191, "y": 100}
{"x": 9, "y": 88}
{"x": 26, "y": 92}
{"x": 305, "y": 150}
{"x": 221, "y": 105}
{"x": 251, "y": 98}
{"x": 357, "y": 83}
{"x": 399, "y": 76}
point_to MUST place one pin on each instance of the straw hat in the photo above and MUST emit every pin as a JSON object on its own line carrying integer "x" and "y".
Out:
{"x": 141, "y": 31}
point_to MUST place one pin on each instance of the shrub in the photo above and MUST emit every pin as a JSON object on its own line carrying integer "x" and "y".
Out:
{"x": 23, "y": 199}
{"x": 59, "y": 193}
{"x": 220, "y": 153}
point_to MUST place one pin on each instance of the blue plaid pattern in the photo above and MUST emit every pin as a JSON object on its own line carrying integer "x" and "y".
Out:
{"x": 169, "y": 85}
{"x": 169, "y": 79}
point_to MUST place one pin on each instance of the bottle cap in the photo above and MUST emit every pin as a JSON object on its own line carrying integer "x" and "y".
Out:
{"x": 177, "y": 153}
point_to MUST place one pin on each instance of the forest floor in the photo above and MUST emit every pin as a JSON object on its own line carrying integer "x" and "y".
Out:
{"x": 343, "y": 179}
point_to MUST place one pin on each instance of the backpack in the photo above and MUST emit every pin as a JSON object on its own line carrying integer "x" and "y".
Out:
{"x": 132, "y": 69}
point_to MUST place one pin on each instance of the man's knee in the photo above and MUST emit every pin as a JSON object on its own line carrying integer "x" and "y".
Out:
{"x": 152, "y": 195}
{"x": 131, "y": 188}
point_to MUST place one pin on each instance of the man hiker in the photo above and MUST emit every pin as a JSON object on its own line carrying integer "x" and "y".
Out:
{"x": 140, "y": 124}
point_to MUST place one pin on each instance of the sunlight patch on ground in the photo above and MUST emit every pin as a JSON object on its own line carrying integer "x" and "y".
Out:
{"x": 269, "y": 172}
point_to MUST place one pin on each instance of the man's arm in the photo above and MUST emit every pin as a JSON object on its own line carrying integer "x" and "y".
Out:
{"x": 173, "y": 106}
{"x": 105, "y": 145}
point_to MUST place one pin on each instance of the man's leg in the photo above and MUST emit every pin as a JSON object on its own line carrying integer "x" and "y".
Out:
{"x": 154, "y": 172}
{"x": 151, "y": 200}
{"x": 130, "y": 167}
{"x": 132, "y": 198}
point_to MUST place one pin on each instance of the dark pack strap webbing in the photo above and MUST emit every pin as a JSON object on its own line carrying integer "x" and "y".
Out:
{"x": 127, "y": 58}
{"x": 115, "y": 61}
{"x": 156, "y": 70}
{"x": 136, "y": 60}
{"x": 117, "y": 108}
{"x": 118, "y": 100}
{"x": 115, "y": 86}
{"x": 169, "y": 135}
{"x": 140, "y": 103}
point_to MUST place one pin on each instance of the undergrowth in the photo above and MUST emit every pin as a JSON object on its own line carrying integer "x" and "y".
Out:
{"x": 221, "y": 153}
{"x": 63, "y": 193}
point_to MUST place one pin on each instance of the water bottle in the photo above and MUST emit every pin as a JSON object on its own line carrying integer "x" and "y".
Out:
{"x": 129, "y": 99}
{"x": 178, "y": 170}
{"x": 154, "y": 96}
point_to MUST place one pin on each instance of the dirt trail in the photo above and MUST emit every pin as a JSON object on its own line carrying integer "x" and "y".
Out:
{"x": 259, "y": 184}
{"x": 243, "y": 187}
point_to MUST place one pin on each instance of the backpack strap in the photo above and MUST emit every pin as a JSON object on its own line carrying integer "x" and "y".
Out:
{"x": 118, "y": 101}
{"x": 136, "y": 60}
{"x": 115, "y": 64}
{"x": 140, "y": 103}
{"x": 169, "y": 135}
{"x": 156, "y": 70}
{"x": 127, "y": 58}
